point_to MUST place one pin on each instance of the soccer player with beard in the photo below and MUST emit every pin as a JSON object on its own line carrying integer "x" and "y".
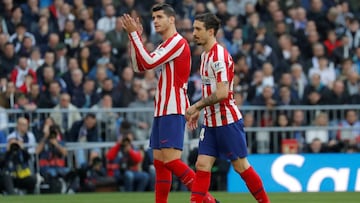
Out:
{"x": 222, "y": 134}
{"x": 173, "y": 58}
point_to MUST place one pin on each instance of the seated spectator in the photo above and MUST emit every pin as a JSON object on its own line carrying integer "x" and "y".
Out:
{"x": 49, "y": 76}
{"x": 23, "y": 134}
{"x": 17, "y": 163}
{"x": 268, "y": 79}
{"x": 88, "y": 97}
{"x": 349, "y": 132}
{"x": 19, "y": 73}
{"x": 124, "y": 164}
{"x": 51, "y": 97}
{"x": 315, "y": 93}
{"x": 141, "y": 121}
{"x": 84, "y": 131}
{"x": 19, "y": 35}
{"x": 8, "y": 59}
{"x": 266, "y": 98}
{"x": 106, "y": 117}
{"x": 7, "y": 98}
{"x": 276, "y": 137}
{"x": 327, "y": 72}
{"x": 321, "y": 120}
{"x": 316, "y": 146}
{"x": 65, "y": 113}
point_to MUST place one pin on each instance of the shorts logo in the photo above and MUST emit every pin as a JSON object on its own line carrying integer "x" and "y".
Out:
{"x": 163, "y": 141}
{"x": 202, "y": 134}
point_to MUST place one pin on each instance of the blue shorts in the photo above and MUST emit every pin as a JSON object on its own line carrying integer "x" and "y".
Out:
{"x": 227, "y": 142}
{"x": 168, "y": 132}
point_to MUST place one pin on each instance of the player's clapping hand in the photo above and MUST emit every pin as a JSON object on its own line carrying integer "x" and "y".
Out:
{"x": 130, "y": 24}
{"x": 192, "y": 116}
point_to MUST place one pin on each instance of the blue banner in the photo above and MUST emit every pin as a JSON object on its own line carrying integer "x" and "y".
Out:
{"x": 303, "y": 173}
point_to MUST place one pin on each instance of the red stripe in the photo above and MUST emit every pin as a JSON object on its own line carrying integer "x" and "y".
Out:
{"x": 168, "y": 87}
{"x": 177, "y": 98}
{"x": 158, "y": 96}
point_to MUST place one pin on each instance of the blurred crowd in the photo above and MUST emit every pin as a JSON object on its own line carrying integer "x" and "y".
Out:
{"x": 68, "y": 55}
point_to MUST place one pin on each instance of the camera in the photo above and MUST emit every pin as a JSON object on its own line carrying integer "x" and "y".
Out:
{"x": 14, "y": 147}
{"x": 53, "y": 131}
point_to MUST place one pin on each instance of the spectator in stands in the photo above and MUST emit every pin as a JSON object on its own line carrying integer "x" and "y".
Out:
{"x": 49, "y": 61}
{"x": 15, "y": 19}
{"x": 118, "y": 38}
{"x": 83, "y": 131}
{"x": 88, "y": 97}
{"x": 343, "y": 51}
{"x": 75, "y": 86}
{"x": 266, "y": 98}
{"x": 299, "y": 80}
{"x": 7, "y": 98}
{"x": 65, "y": 114}
{"x": 106, "y": 117}
{"x": 315, "y": 93}
{"x": 285, "y": 98}
{"x": 141, "y": 121}
{"x": 35, "y": 60}
{"x": 126, "y": 162}
{"x": 276, "y": 137}
{"x": 331, "y": 42}
{"x": 19, "y": 73}
{"x": 22, "y": 102}
{"x": 298, "y": 120}
{"x": 338, "y": 95}
{"x": 51, "y": 97}
{"x": 256, "y": 86}
{"x": 17, "y": 163}
{"x": 344, "y": 68}
{"x": 125, "y": 86}
{"x": 107, "y": 22}
{"x": 60, "y": 63}
{"x": 48, "y": 77}
{"x": 23, "y": 134}
{"x": 325, "y": 70}
{"x": 19, "y": 35}
{"x": 263, "y": 53}
{"x": 353, "y": 33}
{"x": 316, "y": 146}
{"x": 321, "y": 120}
{"x": 85, "y": 62}
{"x": 268, "y": 79}
{"x": 8, "y": 58}
{"x": 349, "y": 132}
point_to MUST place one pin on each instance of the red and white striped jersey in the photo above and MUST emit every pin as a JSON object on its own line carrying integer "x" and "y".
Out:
{"x": 217, "y": 66}
{"x": 174, "y": 58}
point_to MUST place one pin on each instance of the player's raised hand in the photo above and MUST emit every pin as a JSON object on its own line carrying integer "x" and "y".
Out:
{"x": 140, "y": 28}
{"x": 130, "y": 24}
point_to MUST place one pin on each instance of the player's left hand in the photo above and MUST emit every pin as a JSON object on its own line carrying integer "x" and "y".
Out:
{"x": 129, "y": 24}
{"x": 192, "y": 116}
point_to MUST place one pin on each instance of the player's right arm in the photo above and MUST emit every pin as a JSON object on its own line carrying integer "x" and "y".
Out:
{"x": 161, "y": 55}
{"x": 137, "y": 67}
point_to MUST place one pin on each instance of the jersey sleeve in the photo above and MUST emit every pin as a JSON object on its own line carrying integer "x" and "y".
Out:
{"x": 221, "y": 71}
{"x": 158, "y": 57}
{"x": 137, "y": 67}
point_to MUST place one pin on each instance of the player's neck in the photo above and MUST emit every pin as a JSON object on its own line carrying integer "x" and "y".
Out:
{"x": 169, "y": 33}
{"x": 209, "y": 44}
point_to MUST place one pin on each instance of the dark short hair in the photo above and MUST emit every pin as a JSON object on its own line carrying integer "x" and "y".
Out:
{"x": 168, "y": 10}
{"x": 210, "y": 21}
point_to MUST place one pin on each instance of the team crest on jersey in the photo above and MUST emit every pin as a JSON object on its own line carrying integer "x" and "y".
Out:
{"x": 218, "y": 66}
